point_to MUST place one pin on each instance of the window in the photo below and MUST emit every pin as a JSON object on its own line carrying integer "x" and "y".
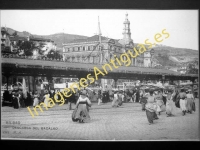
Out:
{"x": 88, "y": 48}
{"x": 83, "y": 48}
{"x": 78, "y": 48}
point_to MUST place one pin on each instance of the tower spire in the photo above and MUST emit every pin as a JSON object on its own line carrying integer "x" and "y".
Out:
{"x": 99, "y": 30}
{"x": 126, "y": 32}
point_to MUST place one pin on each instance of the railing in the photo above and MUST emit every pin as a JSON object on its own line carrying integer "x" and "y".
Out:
{"x": 59, "y": 60}
{"x": 30, "y": 57}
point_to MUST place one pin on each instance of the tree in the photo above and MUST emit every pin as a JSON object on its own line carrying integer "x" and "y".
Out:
{"x": 15, "y": 33}
{"x": 54, "y": 54}
{"x": 27, "y": 46}
{"x": 191, "y": 69}
{"x": 30, "y": 46}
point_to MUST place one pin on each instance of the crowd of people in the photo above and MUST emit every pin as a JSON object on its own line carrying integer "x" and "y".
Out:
{"x": 152, "y": 101}
{"x": 155, "y": 102}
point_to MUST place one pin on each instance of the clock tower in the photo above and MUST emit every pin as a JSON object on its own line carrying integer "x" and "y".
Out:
{"x": 127, "y": 32}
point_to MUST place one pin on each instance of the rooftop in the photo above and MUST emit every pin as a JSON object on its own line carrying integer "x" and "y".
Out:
{"x": 90, "y": 39}
{"x": 87, "y": 66}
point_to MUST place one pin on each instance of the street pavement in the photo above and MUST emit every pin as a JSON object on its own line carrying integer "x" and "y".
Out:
{"x": 127, "y": 122}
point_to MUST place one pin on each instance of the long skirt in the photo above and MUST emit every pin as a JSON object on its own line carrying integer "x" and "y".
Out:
{"x": 21, "y": 101}
{"x": 160, "y": 105}
{"x": 82, "y": 113}
{"x": 120, "y": 102}
{"x": 137, "y": 98}
{"x": 99, "y": 101}
{"x": 189, "y": 104}
{"x": 143, "y": 106}
{"x": 16, "y": 103}
{"x": 151, "y": 116}
{"x": 114, "y": 102}
{"x": 183, "y": 104}
{"x": 35, "y": 101}
{"x": 169, "y": 108}
{"x": 46, "y": 102}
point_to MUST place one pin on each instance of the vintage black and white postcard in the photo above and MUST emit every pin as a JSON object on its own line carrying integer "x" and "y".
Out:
{"x": 100, "y": 74}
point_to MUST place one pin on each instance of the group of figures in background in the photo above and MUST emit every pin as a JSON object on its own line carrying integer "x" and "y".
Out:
{"x": 153, "y": 101}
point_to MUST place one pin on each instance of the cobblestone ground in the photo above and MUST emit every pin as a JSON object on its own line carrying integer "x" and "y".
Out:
{"x": 127, "y": 122}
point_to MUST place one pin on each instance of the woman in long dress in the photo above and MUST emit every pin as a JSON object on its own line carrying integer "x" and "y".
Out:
{"x": 71, "y": 99}
{"x": 21, "y": 99}
{"x": 115, "y": 100}
{"x": 36, "y": 99}
{"x": 46, "y": 97}
{"x": 99, "y": 97}
{"x": 151, "y": 108}
{"x": 190, "y": 101}
{"x": 159, "y": 102}
{"x": 169, "y": 104}
{"x": 120, "y": 98}
{"x": 104, "y": 97}
{"x": 143, "y": 99}
{"x": 182, "y": 96}
{"x": 16, "y": 104}
{"x": 82, "y": 113}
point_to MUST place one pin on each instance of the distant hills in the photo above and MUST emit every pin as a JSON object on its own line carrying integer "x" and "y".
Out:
{"x": 58, "y": 38}
{"x": 166, "y": 55}
{"x": 175, "y": 56}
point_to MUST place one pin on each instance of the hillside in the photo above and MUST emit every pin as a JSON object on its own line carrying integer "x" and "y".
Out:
{"x": 171, "y": 56}
{"x": 175, "y": 51}
{"x": 58, "y": 38}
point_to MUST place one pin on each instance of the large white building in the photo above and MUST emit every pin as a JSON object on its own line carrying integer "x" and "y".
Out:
{"x": 99, "y": 49}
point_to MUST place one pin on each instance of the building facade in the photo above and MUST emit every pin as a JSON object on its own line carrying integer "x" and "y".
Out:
{"x": 99, "y": 49}
{"x": 5, "y": 41}
{"x": 11, "y": 40}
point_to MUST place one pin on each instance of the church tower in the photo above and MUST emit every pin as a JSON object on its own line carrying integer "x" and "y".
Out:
{"x": 126, "y": 31}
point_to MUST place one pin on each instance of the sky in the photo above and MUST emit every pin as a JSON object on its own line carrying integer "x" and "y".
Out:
{"x": 182, "y": 25}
